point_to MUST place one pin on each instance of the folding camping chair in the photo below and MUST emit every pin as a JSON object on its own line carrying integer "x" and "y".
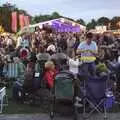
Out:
{"x": 37, "y": 79}
{"x": 114, "y": 76}
{"x": 63, "y": 90}
{"x": 23, "y": 92}
{"x": 95, "y": 92}
{"x": 3, "y": 99}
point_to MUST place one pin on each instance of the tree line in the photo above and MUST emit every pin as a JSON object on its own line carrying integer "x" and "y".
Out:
{"x": 6, "y": 18}
{"x": 7, "y": 8}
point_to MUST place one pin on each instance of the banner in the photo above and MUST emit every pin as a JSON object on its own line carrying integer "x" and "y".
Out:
{"x": 14, "y": 21}
{"x": 21, "y": 21}
{"x": 26, "y": 20}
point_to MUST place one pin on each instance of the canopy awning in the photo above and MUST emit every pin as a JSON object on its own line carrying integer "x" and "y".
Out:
{"x": 60, "y": 25}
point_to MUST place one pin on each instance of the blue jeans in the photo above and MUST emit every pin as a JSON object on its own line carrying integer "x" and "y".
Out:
{"x": 88, "y": 68}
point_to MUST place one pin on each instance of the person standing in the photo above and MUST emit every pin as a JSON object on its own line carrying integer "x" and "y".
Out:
{"x": 58, "y": 45}
{"x": 63, "y": 43}
{"x": 19, "y": 41}
{"x": 70, "y": 45}
{"x": 25, "y": 41}
{"x": 88, "y": 50}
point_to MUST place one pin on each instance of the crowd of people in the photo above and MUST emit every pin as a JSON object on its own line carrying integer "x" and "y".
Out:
{"x": 41, "y": 44}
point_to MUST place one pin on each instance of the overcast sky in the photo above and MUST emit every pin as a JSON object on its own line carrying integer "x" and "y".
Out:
{"x": 85, "y": 9}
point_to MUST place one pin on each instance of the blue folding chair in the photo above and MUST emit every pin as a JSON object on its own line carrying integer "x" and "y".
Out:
{"x": 96, "y": 95}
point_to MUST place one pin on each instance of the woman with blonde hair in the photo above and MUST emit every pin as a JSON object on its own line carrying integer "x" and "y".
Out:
{"x": 50, "y": 73}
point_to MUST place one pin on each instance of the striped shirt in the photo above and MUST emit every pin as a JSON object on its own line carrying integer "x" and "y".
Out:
{"x": 87, "y": 56}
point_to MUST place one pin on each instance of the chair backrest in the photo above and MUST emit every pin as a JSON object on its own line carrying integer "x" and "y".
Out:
{"x": 2, "y": 92}
{"x": 96, "y": 87}
{"x": 63, "y": 85}
{"x": 12, "y": 71}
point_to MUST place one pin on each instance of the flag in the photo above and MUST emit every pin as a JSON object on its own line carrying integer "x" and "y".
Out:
{"x": 26, "y": 20}
{"x": 14, "y": 21}
{"x": 21, "y": 21}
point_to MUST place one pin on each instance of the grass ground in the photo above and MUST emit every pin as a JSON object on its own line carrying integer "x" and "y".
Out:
{"x": 17, "y": 108}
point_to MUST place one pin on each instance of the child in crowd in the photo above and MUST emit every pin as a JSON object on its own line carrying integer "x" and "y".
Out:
{"x": 50, "y": 73}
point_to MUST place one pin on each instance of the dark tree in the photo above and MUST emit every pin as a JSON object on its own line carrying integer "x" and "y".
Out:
{"x": 103, "y": 21}
{"x": 115, "y": 23}
{"x": 91, "y": 25}
{"x": 81, "y": 21}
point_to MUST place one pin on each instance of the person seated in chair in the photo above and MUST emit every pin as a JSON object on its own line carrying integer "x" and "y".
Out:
{"x": 50, "y": 73}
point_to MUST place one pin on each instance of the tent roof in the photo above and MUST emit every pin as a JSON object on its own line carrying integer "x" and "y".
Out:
{"x": 59, "y": 23}
{"x": 60, "y": 20}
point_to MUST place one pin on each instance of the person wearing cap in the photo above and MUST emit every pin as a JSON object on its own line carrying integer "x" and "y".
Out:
{"x": 51, "y": 49}
{"x": 88, "y": 50}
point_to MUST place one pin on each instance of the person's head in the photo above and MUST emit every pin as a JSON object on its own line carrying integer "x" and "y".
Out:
{"x": 51, "y": 49}
{"x": 82, "y": 37}
{"x": 37, "y": 29}
{"x": 49, "y": 65}
{"x": 2, "y": 37}
{"x": 89, "y": 37}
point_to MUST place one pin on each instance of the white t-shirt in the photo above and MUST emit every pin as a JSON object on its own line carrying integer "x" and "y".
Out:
{"x": 9, "y": 41}
{"x": 74, "y": 66}
{"x": 19, "y": 41}
{"x": 119, "y": 59}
